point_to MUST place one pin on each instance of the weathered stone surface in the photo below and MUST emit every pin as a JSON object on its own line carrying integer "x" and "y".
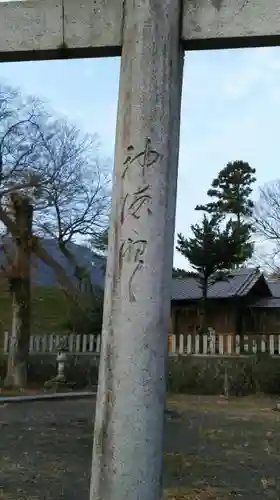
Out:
{"x": 221, "y": 19}
{"x": 31, "y": 25}
{"x": 52, "y": 27}
{"x": 97, "y": 24}
{"x": 127, "y": 454}
{"x": 33, "y": 29}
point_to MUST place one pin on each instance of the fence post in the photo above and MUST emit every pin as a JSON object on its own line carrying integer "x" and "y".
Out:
{"x": 45, "y": 343}
{"x": 271, "y": 344}
{"x": 205, "y": 344}
{"x": 6, "y": 342}
{"x": 197, "y": 344}
{"x": 254, "y": 346}
{"x": 245, "y": 344}
{"x": 78, "y": 342}
{"x": 229, "y": 344}
{"x": 189, "y": 344}
{"x": 71, "y": 342}
{"x": 31, "y": 344}
{"x": 237, "y": 344}
{"x": 84, "y": 343}
{"x": 91, "y": 343}
{"x": 181, "y": 344}
{"x": 98, "y": 344}
{"x": 221, "y": 344}
{"x": 173, "y": 344}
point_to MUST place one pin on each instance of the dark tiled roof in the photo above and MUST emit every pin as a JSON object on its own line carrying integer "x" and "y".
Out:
{"x": 238, "y": 284}
{"x": 274, "y": 286}
{"x": 267, "y": 302}
{"x": 270, "y": 302}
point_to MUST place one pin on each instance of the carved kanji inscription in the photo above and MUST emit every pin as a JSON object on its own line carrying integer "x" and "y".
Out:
{"x": 145, "y": 159}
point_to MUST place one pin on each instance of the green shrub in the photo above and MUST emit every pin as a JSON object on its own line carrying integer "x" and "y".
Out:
{"x": 2, "y": 368}
{"x": 82, "y": 371}
{"x": 266, "y": 371}
{"x": 206, "y": 375}
{"x": 40, "y": 369}
{"x": 186, "y": 374}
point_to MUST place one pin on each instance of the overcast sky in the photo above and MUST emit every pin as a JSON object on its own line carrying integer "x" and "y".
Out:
{"x": 230, "y": 111}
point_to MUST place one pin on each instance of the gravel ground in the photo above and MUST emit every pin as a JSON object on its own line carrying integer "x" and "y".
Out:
{"x": 213, "y": 450}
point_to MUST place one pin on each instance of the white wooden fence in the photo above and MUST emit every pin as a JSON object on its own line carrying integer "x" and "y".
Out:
{"x": 50, "y": 344}
{"x": 223, "y": 345}
{"x": 197, "y": 345}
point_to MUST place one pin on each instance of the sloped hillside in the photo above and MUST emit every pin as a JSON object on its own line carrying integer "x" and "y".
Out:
{"x": 42, "y": 275}
{"x": 49, "y": 310}
{"x": 49, "y": 306}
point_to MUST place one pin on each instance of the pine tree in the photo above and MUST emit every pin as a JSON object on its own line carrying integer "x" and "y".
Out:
{"x": 99, "y": 242}
{"x": 232, "y": 189}
{"x": 180, "y": 273}
{"x": 212, "y": 252}
{"x": 231, "y": 192}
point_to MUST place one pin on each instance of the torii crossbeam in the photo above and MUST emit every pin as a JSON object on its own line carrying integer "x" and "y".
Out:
{"x": 44, "y": 29}
{"x": 151, "y": 36}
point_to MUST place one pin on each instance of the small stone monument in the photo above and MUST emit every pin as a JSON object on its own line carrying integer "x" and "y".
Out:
{"x": 61, "y": 360}
{"x": 59, "y": 382}
{"x": 211, "y": 340}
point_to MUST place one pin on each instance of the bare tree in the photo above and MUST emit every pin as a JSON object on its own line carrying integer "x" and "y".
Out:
{"x": 99, "y": 242}
{"x": 20, "y": 141}
{"x": 19, "y": 277}
{"x": 17, "y": 269}
{"x": 73, "y": 202}
{"x": 49, "y": 166}
{"x": 60, "y": 171}
{"x": 73, "y": 205}
{"x": 267, "y": 212}
{"x": 267, "y": 258}
{"x": 19, "y": 149}
{"x": 266, "y": 218}
{"x": 40, "y": 252}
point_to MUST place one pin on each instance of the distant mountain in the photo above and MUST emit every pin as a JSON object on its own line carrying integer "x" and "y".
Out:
{"x": 43, "y": 275}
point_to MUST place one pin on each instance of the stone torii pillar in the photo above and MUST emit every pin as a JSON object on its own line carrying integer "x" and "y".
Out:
{"x": 127, "y": 452}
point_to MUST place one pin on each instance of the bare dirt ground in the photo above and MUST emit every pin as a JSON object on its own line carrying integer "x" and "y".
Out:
{"x": 213, "y": 450}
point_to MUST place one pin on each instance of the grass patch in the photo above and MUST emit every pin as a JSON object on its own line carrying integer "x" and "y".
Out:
{"x": 213, "y": 452}
{"x": 25, "y": 392}
{"x": 196, "y": 494}
{"x": 232, "y": 446}
{"x": 176, "y": 465}
{"x": 246, "y": 407}
{"x": 49, "y": 310}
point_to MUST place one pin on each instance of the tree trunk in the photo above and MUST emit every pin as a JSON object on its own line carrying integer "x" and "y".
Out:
{"x": 37, "y": 249}
{"x": 16, "y": 376}
{"x": 203, "y": 310}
